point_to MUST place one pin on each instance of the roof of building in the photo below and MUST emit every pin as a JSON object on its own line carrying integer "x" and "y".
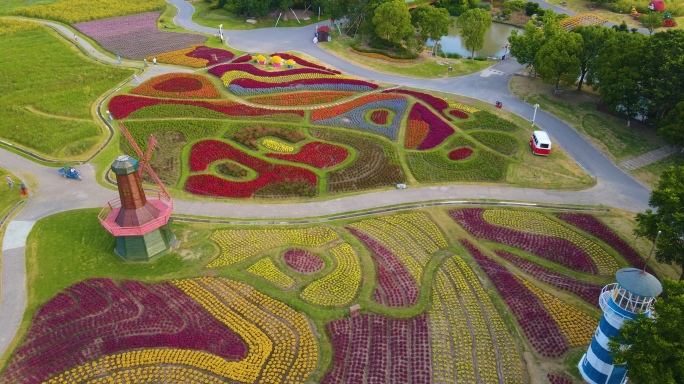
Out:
{"x": 323, "y": 29}
{"x": 124, "y": 165}
{"x": 639, "y": 282}
{"x": 542, "y": 136}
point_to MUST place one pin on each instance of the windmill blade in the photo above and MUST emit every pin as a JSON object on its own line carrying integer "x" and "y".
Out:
{"x": 128, "y": 136}
{"x": 151, "y": 145}
{"x": 157, "y": 180}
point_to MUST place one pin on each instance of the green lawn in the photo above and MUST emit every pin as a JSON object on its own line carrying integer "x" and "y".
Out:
{"x": 208, "y": 17}
{"x": 424, "y": 68}
{"x": 7, "y": 6}
{"x": 8, "y": 197}
{"x": 47, "y": 91}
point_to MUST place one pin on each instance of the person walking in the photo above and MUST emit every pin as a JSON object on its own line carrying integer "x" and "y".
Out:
{"x": 118, "y": 58}
{"x": 10, "y": 182}
{"x": 145, "y": 62}
{"x": 135, "y": 77}
{"x": 154, "y": 60}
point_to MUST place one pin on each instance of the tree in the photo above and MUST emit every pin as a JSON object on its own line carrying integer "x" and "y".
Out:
{"x": 655, "y": 347}
{"x": 337, "y": 9}
{"x": 525, "y": 47}
{"x": 671, "y": 127}
{"x": 651, "y": 21}
{"x": 474, "y": 23}
{"x": 392, "y": 21}
{"x": 619, "y": 75}
{"x": 559, "y": 59}
{"x": 594, "y": 38}
{"x": 663, "y": 71}
{"x": 668, "y": 199}
{"x": 432, "y": 22}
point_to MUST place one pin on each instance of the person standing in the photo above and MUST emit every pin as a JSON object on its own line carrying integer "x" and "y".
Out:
{"x": 10, "y": 182}
{"x": 118, "y": 58}
{"x": 135, "y": 77}
{"x": 145, "y": 62}
{"x": 154, "y": 60}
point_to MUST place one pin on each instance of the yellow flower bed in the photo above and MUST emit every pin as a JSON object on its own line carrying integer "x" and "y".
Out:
{"x": 265, "y": 269}
{"x": 153, "y": 374}
{"x": 462, "y": 107}
{"x": 412, "y": 237}
{"x": 229, "y": 76}
{"x": 75, "y": 11}
{"x": 341, "y": 285}
{"x": 178, "y": 58}
{"x": 381, "y": 57}
{"x": 534, "y": 222}
{"x": 462, "y": 315}
{"x": 277, "y": 146}
{"x": 240, "y": 244}
{"x": 577, "y": 327}
{"x": 8, "y": 26}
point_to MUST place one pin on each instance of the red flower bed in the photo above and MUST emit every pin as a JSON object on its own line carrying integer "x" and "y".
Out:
{"x": 121, "y": 106}
{"x": 178, "y": 84}
{"x": 434, "y": 102}
{"x": 459, "y": 114}
{"x": 396, "y": 287}
{"x": 207, "y": 53}
{"x": 341, "y": 84}
{"x": 554, "y": 379}
{"x": 594, "y": 226}
{"x": 316, "y": 154}
{"x": 327, "y": 113}
{"x": 460, "y": 153}
{"x": 242, "y": 59}
{"x": 303, "y": 261}
{"x": 379, "y": 117}
{"x": 554, "y": 249}
{"x": 438, "y": 131}
{"x": 302, "y": 98}
{"x": 587, "y": 291}
{"x": 99, "y": 317}
{"x": 379, "y": 349}
{"x": 206, "y": 152}
{"x": 219, "y": 70}
{"x": 541, "y": 330}
{"x": 305, "y": 63}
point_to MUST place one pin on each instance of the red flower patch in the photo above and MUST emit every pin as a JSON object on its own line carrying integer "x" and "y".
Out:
{"x": 439, "y": 130}
{"x": 212, "y": 55}
{"x": 303, "y": 261}
{"x": 316, "y": 154}
{"x": 434, "y": 102}
{"x": 302, "y": 62}
{"x": 458, "y": 113}
{"x": 379, "y": 117}
{"x": 327, "y": 113}
{"x": 219, "y": 70}
{"x": 460, "y": 153}
{"x": 178, "y": 85}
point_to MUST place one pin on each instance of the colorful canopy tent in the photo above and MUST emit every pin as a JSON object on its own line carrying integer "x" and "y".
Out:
{"x": 323, "y": 33}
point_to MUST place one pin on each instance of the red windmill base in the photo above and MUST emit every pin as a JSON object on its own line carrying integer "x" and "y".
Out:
{"x": 141, "y": 224}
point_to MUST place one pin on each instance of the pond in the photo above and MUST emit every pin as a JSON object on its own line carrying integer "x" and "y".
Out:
{"x": 495, "y": 40}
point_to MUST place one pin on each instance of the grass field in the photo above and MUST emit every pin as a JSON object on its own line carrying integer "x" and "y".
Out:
{"x": 205, "y": 15}
{"x": 46, "y": 100}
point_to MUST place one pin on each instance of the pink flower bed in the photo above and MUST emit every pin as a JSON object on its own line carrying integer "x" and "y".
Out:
{"x": 379, "y": 349}
{"x": 396, "y": 287}
{"x": 305, "y": 63}
{"x": 554, "y": 249}
{"x": 207, "y": 53}
{"x": 594, "y": 226}
{"x": 303, "y": 261}
{"x": 555, "y": 379}
{"x": 206, "y": 152}
{"x": 379, "y": 117}
{"x": 587, "y": 291}
{"x": 438, "y": 131}
{"x": 179, "y": 84}
{"x": 434, "y": 102}
{"x": 121, "y": 106}
{"x": 136, "y": 36}
{"x": 219, "y": 70}
{"x": 460, "y": 153}
{"x": 316, "y": 154}
{"x": 459, "y": 114}
{"x": 242, "y": 59}
{"x": 539, "y": 327}
{"x": 99, "y": 317}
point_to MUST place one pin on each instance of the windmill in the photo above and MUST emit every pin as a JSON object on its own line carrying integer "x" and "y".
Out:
{"x": 140, "y": 223}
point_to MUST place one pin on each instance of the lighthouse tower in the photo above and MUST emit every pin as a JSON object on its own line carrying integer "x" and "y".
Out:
{"x": 633, "y": 293}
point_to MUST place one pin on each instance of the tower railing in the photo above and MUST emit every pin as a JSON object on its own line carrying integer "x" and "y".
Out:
{"x": 105, "y": 215}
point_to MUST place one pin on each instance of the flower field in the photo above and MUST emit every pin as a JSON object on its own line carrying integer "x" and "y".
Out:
{"x": 136, "y": 37}
{"x": 438, "y": 130}
{"x": 304, "y": 62}
{"x": 460, "y": 153}
{"x": 75, "y": 11}
{"x": 340, "y": 286}
{"x": 178, "y": 85}
{"x": 265, "y": 269}
{"x": 435, "y": 102}
{"x": 351, "y": 116}
{"x": 302, "y": 98}
{"x": 196, "y": 56}
{"x": 303, "y": 261}
{"x": 316, "y": 154}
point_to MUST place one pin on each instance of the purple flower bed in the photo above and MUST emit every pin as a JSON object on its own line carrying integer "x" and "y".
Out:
{"x": 303, "y": 261}
{"x": 396, "y": 287}
{"x": 243, "y": 87}
{"x": 207, "y": 53}
{"x": 594, "y": 226}
{"x": 554, "y": 249}
{"x": 587, "y": 291}
{"x": 541, "y": 330}
{"x": 242, "y": 59}
{"x": 111, "y": 318}
{"x": 220, "y": 70}
{"x": 555, "y": 379}
{"x": 439, "y": 130}
{"x": 379, "y": 349}
{"x": 136, "y": 36}
{"x": 434, "y": 102}
{"x": 305, "y": 63}
{"x": 356, "y": 118}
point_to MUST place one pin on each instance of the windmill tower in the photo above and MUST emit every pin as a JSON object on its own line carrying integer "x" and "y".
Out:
{"x": 634, "y": 292}
{"x": 139, "y": 219}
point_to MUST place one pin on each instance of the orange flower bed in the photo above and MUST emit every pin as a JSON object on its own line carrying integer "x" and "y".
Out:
{"x": 416, "y": 132}
{"x": 303, "y": 98}
{"x": 326, "y": 113}
{"x": 179, "y": 86}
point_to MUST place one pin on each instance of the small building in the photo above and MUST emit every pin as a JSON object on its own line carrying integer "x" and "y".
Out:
{"x": 323, "y": 34}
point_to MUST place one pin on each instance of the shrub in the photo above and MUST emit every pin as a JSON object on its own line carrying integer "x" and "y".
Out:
{"x": 498, "y": 141}
{"x": 486, "y": 120}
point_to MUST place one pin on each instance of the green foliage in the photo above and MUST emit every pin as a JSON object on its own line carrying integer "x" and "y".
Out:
{"x": 432, "y": 22}
{"x": 287, "y": 189}
{"x": 75, "y": 11}
{"x": 594, "y": 38}
{"x": 498, "y": 141}
{"x": 524, "y": 47}
{"x": 515, "y": 5}
{"x": 559, "y": 59}
{"x": 434, "y": 166}
{"x": 662, "y": 69}
{"x": 651, "y": 21}
{"x": 533, "y": 8}
{"x": 655, "y": 345}
{"x": 671, "y": 128}
{"x": 668, "y": 219}
{"x": 190, "y": 129}
{"x": 486, "y": 120}
{"x": 249, "y": 135}
{"x": 474, "y": 23}
{"x": 45, "y": 101}
{"x": 392, "y": 21}
{"x": 388, "y": 50}
{"x": 175, "y": 110}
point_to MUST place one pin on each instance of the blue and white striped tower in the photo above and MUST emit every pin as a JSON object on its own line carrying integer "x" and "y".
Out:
{"x": 633, "y": 293}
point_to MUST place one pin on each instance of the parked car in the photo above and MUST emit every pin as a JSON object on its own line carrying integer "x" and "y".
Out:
{"x": 540, "y": 143}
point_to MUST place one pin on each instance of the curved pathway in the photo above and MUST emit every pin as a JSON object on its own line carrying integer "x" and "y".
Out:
{"x": 54, "y": 194}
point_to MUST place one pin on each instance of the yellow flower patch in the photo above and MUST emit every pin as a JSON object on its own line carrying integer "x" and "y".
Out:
{"x": 265, "y": 269}
{"x": 341, "y": 285}
{"x": 277, "y": 146}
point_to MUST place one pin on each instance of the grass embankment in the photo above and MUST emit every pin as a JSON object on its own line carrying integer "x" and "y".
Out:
{"x": 207, "y": 16}
{"x": 609, "y": 134}
{"x": 424, "y": 67}
{"x": 75, "y": 11}
{"x": 8, "y": 200}
{"x": 46, "y": 100}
